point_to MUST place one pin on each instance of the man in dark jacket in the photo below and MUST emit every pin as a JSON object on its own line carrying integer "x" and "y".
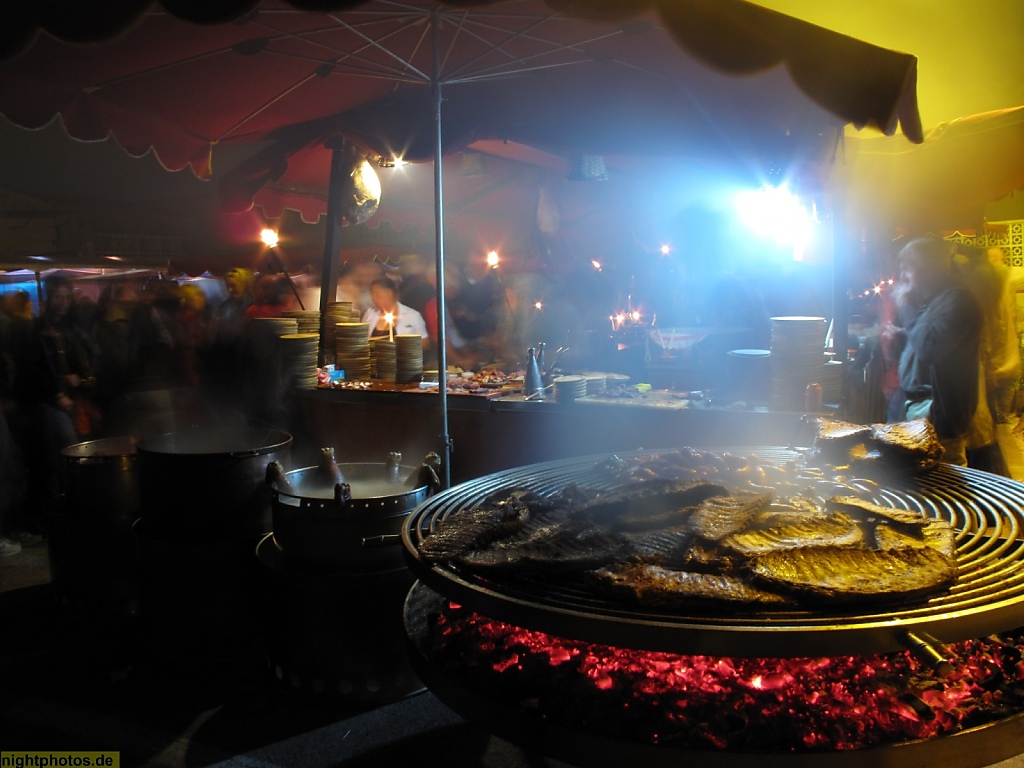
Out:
{"x": 941, "y": 335}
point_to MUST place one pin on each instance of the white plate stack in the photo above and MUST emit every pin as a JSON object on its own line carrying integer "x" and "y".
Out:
{"x": 409, "y": 357}
{"x": 298, "y": 353}
{"x": 831, "y": 381}
{"x": 383, "y": 358}
{"x": 797, "y": 357}
{"x": 352, "y": 350}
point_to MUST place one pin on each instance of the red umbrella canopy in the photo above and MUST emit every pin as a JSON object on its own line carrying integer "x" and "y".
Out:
{"x": 599, "y": 75}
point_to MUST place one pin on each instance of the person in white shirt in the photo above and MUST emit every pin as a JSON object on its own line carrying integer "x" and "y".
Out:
{"x": 405, "y": 320}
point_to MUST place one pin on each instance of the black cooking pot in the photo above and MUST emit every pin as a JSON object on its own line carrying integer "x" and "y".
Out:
{"x": 100, "y": 478}
{"x": 208, "y": 483}
{"x": 346, "y": 518}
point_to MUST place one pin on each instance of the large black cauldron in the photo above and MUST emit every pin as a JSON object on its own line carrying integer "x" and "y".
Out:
{"x": 208, "y": 483}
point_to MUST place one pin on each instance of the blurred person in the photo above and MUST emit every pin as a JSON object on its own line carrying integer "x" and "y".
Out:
{"x": 271, "y": 296}
{"x": 54, "y": 383}
{"x": 354, "y": 284}
{"x": 143, "y": 397}
{"x": 481, "y": 302}
{"x": 112, "y": 339}
{"x": 228, "y": 316}
{"x": 939, "y": 338}
{"x": 418, "y": 285}
{"x": 191, "y": 327}
{"x": 988, "y": 278}
{"x": 222, "y": 358}
{"x": 12, "y": 471}
{"x": 405, "y": 320}
{"x": 533, "y": 312}
{"x": 458, "y": 351}
{"x": 18, "y": 304}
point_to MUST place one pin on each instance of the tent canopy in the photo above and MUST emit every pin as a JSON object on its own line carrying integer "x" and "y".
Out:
{"x": 695, "y": 76}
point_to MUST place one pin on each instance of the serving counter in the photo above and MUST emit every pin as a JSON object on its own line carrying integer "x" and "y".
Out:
{"x": 490, "y": 434}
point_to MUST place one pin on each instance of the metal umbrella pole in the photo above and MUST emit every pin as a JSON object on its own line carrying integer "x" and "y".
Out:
{"x": 442, "y": 355}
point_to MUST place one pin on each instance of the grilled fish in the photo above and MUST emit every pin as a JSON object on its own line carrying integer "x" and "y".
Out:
{"x": 649, "y": 504}
{"x": 914, "y": 444}
{"x": 836, "y": 530}
{"x": 549, "y": 546}
{"x": 834, "y": 574}
{"x": 909, "y": 521}
{"x": 937, "y": 534}
{"x": 470, "y": 528}
{"x": 652, "y": 585}
{"x": 720, "y": 516}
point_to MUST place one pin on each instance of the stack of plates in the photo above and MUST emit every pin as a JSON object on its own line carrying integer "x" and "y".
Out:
{"x": 383, "y": 358}
{"x": 409, "y": 357}
{"x": 308, "y": 319}
{"x": 798, "y": 345}
{"x": 596, "y": 382}
{"x": 831, "y": 380}
{"x": 352, "y": 350}
{"x": 749, "y": 373}
{"x": 298, "y": 353}
{"x": 275, "y": 326}
{"x": 337, "y": 312}
{"x": 569, "y": 388}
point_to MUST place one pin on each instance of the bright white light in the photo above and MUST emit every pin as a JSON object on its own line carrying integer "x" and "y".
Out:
{"x": 596, "y": 264}
{"x": 492, "y": 259}
{"x": 776, "y": 213}
{"x": 538, "y": 305}
{"x": 666, "y": 249}
{"x": 269, "y": 237}
{"x": 636, "y": 317}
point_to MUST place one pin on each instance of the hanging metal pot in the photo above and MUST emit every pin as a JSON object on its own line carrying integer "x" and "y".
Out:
{"x": 346, "y": 518}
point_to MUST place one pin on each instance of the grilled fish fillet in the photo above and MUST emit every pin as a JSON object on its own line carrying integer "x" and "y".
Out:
{"x": 474, "y": 527}
{"x": 832, "y": 574}
{"x": 937, "y": 534}
{"x": 717, "y": 517}
{"x": 552, "y": 546}
{"x": 910, "y": 521}
{"x": 650, "y": 504}
{"x": 652, "y": 585}
{"x": 835, "y": 530}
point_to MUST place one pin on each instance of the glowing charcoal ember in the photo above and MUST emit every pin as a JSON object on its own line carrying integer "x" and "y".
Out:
{"x": 720, "y": 703}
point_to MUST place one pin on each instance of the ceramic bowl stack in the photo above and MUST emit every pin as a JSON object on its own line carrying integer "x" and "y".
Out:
{"x": 299, "y": 353}
{"x": 409, "y": 357}
{"x": 797, "y": 357}
{"x": 337, "y": 312}
{"x": 596, "y": 382}
{"x": 383, "y": 358}
{"x": 308, "y": 319}
{"x": 569, "y": 388}
{"x": 352, "y": 350}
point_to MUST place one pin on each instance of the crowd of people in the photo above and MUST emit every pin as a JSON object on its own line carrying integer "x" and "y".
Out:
{"x": 951, "y": 343}
{"x": 141, "y": 359}
{"x": 160, "y": 357}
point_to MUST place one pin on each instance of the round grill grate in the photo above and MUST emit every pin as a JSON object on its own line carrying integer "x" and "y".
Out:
{"x": 986, "y": 511}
